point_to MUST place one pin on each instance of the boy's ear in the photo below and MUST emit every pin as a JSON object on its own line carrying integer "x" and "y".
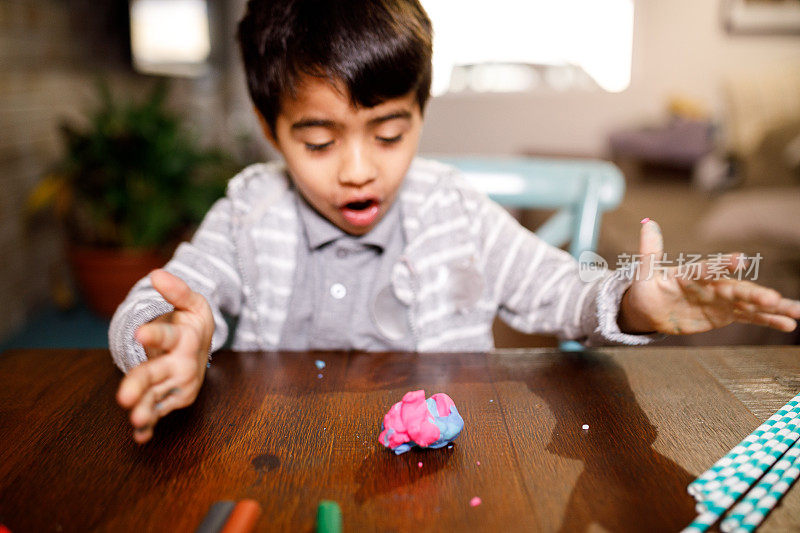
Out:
{"x": 266, "y": 129}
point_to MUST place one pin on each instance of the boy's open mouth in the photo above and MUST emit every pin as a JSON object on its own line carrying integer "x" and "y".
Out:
{"x": 361, "y": 212}
{"x": 360, "y": 206}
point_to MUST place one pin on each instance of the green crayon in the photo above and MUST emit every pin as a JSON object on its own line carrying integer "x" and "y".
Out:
{"x": 329, "y": 517}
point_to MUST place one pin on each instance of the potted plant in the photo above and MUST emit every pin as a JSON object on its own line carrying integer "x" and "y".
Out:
{"x": 130, "y": 185}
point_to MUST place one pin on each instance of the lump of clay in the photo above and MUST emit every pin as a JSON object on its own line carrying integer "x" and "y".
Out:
{"x": 415, "y": 421}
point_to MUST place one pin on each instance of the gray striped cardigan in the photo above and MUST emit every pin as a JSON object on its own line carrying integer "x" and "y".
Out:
{"x": 242, "y": 260}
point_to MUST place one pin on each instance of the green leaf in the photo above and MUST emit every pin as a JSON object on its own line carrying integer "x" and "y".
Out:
{"x": 138, "y": 178}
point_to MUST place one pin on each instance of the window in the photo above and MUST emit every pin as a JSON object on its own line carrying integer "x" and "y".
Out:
{"x": 508, "y": 45}
{"x": 170, "y": 37}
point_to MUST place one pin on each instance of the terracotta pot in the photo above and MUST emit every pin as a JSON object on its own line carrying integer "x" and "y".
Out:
{"x": 104, "y": 275}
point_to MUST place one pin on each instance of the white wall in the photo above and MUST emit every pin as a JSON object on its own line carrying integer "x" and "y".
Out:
{"x": 680, "y": 48}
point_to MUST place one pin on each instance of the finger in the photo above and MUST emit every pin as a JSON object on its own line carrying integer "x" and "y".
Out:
{"x": 143, "y": 416}
{"x": 142, "y": 435}
{"x": 158, "y": 335}
{"x": 166, "y": 394}
{"x": 171, "y": 402}
{"x": 176, "y": 291}
{"x": 140, "y": 379}
{"x": 152, "y": 353}
{"x": 788, "y": 307}
{"x": 166, "y": 390}
{"x": 157, "y": 402}
{"x": 150, "y": 410}
{"x": 764, "y": 298}
{"x": 651, "y": 247}
{"x": 779, "y": 322}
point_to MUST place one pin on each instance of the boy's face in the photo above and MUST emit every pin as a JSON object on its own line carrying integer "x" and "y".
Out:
{"x": 347, "y": 162}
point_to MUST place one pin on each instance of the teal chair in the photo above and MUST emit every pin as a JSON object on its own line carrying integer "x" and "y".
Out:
{"x": 580, "y": 189}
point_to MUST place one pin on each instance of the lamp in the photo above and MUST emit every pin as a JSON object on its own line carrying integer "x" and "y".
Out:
{"x": 170, "y": 37}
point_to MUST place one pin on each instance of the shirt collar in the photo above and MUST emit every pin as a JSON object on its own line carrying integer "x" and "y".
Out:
{"x": 320, "y": 231}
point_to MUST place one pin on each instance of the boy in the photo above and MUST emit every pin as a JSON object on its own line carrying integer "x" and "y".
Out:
{"x": 352, "y": 243}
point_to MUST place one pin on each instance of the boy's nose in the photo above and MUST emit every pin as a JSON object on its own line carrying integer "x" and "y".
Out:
{"x": 357, "y": 167}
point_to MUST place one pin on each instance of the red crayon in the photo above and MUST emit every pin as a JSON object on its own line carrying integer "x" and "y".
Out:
{"x": 243, "y": 518}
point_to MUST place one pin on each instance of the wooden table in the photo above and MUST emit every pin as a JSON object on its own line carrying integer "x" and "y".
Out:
{"x": 266, "y": 426}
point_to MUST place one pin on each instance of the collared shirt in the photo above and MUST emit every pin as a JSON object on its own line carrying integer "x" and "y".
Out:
{"x": 336, "y": 283}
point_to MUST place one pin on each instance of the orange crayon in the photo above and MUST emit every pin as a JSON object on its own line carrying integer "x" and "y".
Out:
{"x": 243, "y": 518}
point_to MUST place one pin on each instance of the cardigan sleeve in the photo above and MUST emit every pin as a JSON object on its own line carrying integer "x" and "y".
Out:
{"x": 207, "y": 264}
{"x": 538, "y": 288}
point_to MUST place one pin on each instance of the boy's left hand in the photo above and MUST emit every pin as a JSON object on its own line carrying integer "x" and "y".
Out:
{"x": 673, "y": 302}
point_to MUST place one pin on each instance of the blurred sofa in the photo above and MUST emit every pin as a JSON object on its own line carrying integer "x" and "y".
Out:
{"x": 763, "y": 213}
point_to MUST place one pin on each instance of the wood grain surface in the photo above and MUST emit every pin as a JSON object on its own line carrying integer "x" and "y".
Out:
{"x": 266, "y": 427}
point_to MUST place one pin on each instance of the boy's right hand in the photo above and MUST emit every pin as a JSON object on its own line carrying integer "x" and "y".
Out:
{"x": 177, "y": 346}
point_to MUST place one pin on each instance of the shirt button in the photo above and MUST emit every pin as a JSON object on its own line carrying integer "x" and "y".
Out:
{"x": 341, "y": 253}
{"x": 338, "y": 291}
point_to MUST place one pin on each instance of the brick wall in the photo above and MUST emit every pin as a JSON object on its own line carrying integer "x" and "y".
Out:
{"x": 39, "y": 82}
{"x": 48, "y": 66}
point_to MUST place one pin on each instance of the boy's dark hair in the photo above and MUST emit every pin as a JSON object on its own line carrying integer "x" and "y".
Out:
{"x": 379, "y": 49}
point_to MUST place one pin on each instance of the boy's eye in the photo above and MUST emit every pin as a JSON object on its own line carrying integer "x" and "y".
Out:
{"x": 317, "y": 147}
{"x": 390, "y": 140}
